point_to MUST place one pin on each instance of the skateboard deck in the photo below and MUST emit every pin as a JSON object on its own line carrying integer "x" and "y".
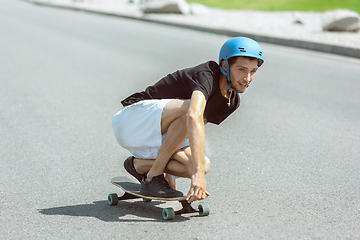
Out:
{"x": 131, "y": 187}
{"x": 131, "y": 190}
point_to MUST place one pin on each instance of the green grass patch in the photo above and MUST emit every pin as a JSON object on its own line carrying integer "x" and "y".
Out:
{"x": 283, "y": 5}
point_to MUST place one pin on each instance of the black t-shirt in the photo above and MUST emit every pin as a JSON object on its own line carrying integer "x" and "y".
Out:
{"x": 182, "y": 83}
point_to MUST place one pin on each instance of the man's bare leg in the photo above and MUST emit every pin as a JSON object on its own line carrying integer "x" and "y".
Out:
{"x": 179, "y": 165}
{"x": 174, "y": 124}
{"x": 143, "y": 166}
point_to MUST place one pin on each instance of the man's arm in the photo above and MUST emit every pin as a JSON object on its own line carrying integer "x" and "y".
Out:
{"x": 196, "y": 135}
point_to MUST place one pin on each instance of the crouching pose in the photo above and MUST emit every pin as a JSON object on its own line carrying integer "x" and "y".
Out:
{"x": 163, "y": 127}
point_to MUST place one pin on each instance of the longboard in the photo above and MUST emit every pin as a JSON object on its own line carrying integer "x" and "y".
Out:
{"x": 131, "y": 190}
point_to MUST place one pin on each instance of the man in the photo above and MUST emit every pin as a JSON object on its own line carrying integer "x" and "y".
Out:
{"x": 164, "y": 126}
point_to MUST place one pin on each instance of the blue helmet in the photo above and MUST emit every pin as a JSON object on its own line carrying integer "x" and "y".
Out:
{"x": 239, "y": 46}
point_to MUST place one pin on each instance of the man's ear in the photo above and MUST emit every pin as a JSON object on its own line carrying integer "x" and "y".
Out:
{"x": 223, "y": 64}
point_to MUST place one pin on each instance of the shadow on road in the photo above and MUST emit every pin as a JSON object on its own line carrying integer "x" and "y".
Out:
{"x": 104, "y": 212}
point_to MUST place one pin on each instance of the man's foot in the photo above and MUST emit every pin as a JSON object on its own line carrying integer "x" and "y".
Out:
{"x": 158, "y": 187}
{"x": 129, "y": 167}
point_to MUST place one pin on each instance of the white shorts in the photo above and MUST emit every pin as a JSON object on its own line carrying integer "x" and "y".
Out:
{"x": 137, "y": 128}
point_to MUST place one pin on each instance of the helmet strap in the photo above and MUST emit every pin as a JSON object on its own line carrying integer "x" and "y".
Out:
{"x": 228, "y": 72}
{"x": 228, "y": 76}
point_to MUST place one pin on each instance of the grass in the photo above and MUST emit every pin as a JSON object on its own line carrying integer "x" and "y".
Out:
{"x": 283, "y": 5}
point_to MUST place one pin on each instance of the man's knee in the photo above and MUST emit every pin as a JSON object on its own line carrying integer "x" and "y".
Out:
{"x": 183, "y": 156}
{"x": 207, "y": 166}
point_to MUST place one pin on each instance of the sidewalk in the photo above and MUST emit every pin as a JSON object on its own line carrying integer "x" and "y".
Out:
{"x": 294, "y": 29}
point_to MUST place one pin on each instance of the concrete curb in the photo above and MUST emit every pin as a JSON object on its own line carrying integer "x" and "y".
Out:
{"x": 314, "y": 46}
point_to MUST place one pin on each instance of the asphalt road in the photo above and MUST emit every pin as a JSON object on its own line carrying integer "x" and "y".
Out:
{"x": 285, "y": 165}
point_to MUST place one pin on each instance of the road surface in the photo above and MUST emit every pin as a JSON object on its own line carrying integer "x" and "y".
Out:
{"x": 285, "y": 165}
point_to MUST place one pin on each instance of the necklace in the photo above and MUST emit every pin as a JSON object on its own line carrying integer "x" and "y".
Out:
{"x": 228, "y": 98}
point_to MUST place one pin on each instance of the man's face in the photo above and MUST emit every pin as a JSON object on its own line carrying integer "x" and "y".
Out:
{"x": 242, "y": 72}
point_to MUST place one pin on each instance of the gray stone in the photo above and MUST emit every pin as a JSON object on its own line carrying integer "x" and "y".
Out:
{"x": 166, "y": 6}
{"x": 341, "y": 20}
{"x": 199, "y": 9}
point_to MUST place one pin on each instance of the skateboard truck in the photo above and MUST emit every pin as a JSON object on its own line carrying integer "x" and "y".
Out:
{"x": 186, "y": 208}
{"x": 169, "y": 213}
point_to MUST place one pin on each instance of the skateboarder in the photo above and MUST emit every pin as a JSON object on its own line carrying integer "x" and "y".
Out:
{"x": 163, "y": 127}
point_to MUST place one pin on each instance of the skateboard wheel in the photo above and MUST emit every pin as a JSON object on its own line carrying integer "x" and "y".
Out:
{"x": 168, "y": 213}
{"x": 113, "y": 199}
{"x": 204, "y": 209}
{"x": 146, "y": 200}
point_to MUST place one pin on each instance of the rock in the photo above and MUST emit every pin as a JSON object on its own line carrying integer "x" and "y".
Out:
{"x": 341, "y": 20}
{"x": 199, "y": 9}
{"x": 166, "y": 6}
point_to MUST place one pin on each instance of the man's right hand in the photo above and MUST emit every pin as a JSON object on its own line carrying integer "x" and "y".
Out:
{"x": 197, "y": 189}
